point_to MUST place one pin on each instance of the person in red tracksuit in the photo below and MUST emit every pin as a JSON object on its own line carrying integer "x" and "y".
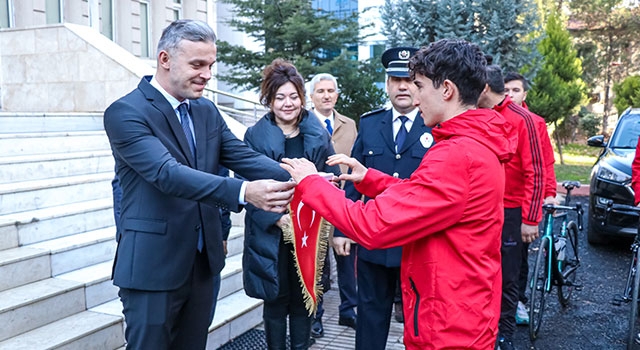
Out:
{"x": 524, "y": 185}
{"x": 635, "y": 175}
{"x": 447, "y": 216}
{"x": 516, "y": 87}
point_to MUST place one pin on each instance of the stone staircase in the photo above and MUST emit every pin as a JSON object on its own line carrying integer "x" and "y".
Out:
{"x": 57, "y": 240}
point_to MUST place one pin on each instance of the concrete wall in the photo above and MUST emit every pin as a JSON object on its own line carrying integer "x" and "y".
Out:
{"x": 64, "y": 68}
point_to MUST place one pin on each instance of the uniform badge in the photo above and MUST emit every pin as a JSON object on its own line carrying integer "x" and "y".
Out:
{"x": 426, "y": 140}
{"x": 404, "y": 54}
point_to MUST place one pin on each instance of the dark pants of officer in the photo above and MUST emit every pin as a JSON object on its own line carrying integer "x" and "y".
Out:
{"x": 511, "y": 260}
{"x": 376, "y": 290}
{"x": 346, "y": 269}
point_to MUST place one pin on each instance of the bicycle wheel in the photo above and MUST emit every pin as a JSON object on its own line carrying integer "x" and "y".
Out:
{"x": 634, "y": 325}
{"x": 538, "y": 288}
{"x": 569, "y": 265}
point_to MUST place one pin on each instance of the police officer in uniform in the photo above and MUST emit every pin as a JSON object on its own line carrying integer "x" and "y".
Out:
{"x": 393, "y": 141}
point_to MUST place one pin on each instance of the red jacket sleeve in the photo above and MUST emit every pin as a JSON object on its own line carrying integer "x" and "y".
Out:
{"x": 635, "y": 175}
{"x": 550, "y": 183}
{"x": 430, "y": 201}
{"x": 524, "y": 174}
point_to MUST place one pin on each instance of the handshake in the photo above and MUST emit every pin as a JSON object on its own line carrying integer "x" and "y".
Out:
{"x": 274, "y": 196}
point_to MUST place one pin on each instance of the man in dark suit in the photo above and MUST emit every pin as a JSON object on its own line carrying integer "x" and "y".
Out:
{"x": 392, "y": 141}
{"x": 168, "y": 143}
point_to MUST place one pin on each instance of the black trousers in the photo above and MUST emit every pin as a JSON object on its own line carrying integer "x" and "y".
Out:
{"x": 176, "y": 319}
{"x": 346, "y": 269}
{"x": 511, "y": 260}
{"x": 376, "y": 291}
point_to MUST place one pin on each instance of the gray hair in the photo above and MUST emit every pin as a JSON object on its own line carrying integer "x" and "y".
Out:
{"x": 322, "y": 76}
{"x": 185, "y": 29}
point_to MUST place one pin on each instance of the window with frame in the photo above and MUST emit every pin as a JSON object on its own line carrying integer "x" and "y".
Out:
{"x": 106, "y": 18}
{"x": 53, "y": 11}
{"x": 6, "y": 14}
{"x": 176, "y": 8}
{"x": 144, "y": 29}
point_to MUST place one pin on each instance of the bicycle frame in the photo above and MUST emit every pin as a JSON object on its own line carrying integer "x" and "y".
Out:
{"x": 554, "y": 267}
{"x": 557, "y": 259}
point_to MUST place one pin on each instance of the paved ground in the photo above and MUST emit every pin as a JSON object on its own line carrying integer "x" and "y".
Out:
{"x": 338, "y": 337}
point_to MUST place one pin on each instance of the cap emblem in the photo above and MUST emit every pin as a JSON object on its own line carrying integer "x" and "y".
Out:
{"x": 404, "y": 54}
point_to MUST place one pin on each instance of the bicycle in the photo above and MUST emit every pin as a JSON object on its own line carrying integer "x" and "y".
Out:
{"x": 557, "y": 261}
{"x": 632, "y": 287}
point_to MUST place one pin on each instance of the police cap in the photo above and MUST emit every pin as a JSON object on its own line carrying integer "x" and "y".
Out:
{"x": 396, "y": 61}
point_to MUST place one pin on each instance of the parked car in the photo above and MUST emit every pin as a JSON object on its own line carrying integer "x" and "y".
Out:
{"x": 611, "y": 180}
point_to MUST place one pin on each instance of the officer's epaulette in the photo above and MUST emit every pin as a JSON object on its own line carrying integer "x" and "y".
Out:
{"x": 381, "y": 109}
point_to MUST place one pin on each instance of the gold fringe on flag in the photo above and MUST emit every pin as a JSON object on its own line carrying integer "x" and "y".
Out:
{"x": 321, "y": 253}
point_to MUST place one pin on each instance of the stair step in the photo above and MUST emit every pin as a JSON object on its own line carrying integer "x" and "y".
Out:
{"x": 96, "y": 279}
{"x": 235, "y": 314}
{"x": 80, "y": 250}
{"x": 235, "y": 242}
{"x": 231, "y": 276}
{"x": 84, "y": 330}
{"x": 38, "y": 166}
{"x": 50, "y": 223}
{"x": 38, "y": 194}
{"x": 36, "y": 304}
{"x": 23, "y": 265}
{"x": 53, "y": 142}
{"x": 22, "y": 122}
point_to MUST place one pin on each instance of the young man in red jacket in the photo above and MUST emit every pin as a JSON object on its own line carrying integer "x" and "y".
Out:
{"x": 447, "y": 216}
{"x": 516, "y": 87}
{"x": 524, "y": 175}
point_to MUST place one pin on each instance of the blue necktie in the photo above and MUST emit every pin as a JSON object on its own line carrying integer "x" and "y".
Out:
{"x": 402, "y": 133}
{"x": 184, "y": 121}
{"x": 329, "y": 128}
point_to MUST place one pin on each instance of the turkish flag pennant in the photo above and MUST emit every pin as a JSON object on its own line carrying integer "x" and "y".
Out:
{"x": 309, "y": 234}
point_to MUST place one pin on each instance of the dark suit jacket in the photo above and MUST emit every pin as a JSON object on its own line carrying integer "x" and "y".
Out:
{"x": 375, "y": 148}
{"x": 166, "y": 199}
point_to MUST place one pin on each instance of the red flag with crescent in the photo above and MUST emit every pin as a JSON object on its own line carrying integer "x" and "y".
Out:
{"x": 309, "y": 234}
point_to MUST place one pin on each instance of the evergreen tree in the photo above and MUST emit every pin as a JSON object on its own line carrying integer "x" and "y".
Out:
{"x": 627, "y": 93}
{"x": 455, "y": 19}
{"x": 608, "y": 43}
{"x": 312, "y": 40}
{"x": 409, "y": 22}
{"x": 502, "y": 28}
{"x": 557, "y": 88}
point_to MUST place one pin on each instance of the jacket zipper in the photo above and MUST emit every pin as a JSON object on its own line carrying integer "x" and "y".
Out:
{"x": 415, "y": 309}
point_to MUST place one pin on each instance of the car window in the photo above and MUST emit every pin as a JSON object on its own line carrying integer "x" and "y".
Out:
{"x": 626, "y": 132}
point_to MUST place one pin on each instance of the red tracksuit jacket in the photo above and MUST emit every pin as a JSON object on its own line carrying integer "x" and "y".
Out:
{"x": 448, "y": 218}
{"x": 524, "y": 173}
{"x": 550, "y": 183}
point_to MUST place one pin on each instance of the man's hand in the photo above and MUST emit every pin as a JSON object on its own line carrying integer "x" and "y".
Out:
{"x": 284, "y": 221}
{"x": 224, "y": 246}
{"x": 358, "y": 171}
{"x": 299, "y": 168}
{"x": 269, "y": 195}
{"x": 551, "y": 200}
{"x": 342, "y": 245}
{"x": 529, "y": 233}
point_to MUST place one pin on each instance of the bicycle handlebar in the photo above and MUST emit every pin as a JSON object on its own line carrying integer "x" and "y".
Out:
{"x": 550, "y": 208}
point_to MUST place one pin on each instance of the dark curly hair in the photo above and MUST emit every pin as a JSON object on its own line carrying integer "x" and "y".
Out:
{"x": 459, "y": 61}
{"x": 278, "y": 73}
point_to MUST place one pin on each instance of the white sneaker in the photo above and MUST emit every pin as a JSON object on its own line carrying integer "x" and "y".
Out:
{"x": 522, "y": 314}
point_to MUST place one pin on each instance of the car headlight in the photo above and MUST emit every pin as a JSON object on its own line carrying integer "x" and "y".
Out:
{"x": 607, "y": 172}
